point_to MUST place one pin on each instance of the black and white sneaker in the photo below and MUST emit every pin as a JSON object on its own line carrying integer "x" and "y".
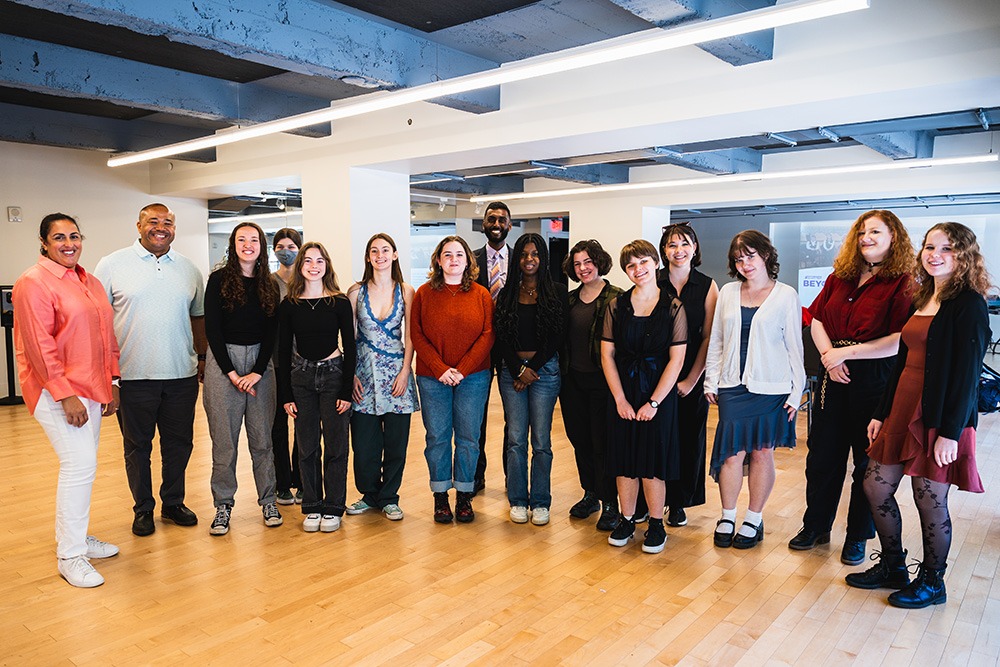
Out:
{"x": 220, "y": 525}
{"x": 272, "y": 517}
{"x": 656, "y": 537}
{"x": 623, "y": 532}
{"x": 677, "y": 517}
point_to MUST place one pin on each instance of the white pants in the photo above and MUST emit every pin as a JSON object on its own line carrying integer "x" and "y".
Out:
{"x": 76, "y": 448}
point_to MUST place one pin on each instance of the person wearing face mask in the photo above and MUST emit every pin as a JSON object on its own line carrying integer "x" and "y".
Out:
{"x": 67, "y": 361}
{"x": 856, "y": 322}
{"x": 286, "y": 244}
{"x": 241, "y": 302}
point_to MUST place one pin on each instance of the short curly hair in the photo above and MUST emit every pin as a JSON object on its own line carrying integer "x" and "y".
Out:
{"x": 752, "y": 240}
{"x": 596, "y": 252}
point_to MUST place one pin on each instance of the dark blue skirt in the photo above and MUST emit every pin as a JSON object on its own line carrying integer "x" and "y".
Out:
{"x": 749, "y": 422}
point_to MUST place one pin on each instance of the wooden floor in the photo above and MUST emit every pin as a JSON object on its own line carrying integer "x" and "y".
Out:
{"x": 418, "y": 593}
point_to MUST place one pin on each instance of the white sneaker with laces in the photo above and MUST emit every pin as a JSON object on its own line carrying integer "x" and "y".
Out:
{"x": 329, "y": 523}
{"x": 79, "y": 572}
{"x": 98, "y": 549}
{"x": 392, "y": 512}
{"x": 311, "y": 523}
{"x": 519, "y": 514}
{"x": 540, "y": 516}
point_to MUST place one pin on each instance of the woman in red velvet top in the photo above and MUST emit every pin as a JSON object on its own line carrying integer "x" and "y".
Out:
{"x": 452, "y": 334}
{"x": 925, "y": 425}
{"x": 856, "y": 323}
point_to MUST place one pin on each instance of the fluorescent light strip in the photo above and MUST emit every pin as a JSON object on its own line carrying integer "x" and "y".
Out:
{"x": 619, "y": 48}
{"x": 742, "y": 178}
{"x": 255, "y": 216}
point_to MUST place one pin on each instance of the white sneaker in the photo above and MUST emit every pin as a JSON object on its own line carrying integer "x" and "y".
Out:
{"x": 329, "y": 523}
{"x": 540, "y": 516}
{"x": 392, "y": 512}
{"x": 519, "y": 514}
{"x": 98, "y": 549}
{"x": 311, "y": 523}
{"x": 79, "y": 572}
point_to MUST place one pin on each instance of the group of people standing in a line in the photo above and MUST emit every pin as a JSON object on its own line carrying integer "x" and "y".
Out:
{"x": 901, "y": 340}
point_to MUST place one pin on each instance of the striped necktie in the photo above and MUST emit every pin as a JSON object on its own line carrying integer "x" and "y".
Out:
{"x": 495, "y": 277}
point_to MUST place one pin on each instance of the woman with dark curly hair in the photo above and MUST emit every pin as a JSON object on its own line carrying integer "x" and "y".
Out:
{"x": 584, "y": 395}
{"x": 754, "y": 373}
{"x": 529, "y": 322}
{"x": 452, "y": 334}
{"x": 856, "y": 322}
{"x": 241, "y": 302}
{"x": 925, "y": 425}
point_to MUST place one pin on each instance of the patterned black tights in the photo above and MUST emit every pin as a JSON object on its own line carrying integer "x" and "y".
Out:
{"x": 881, "y": 482}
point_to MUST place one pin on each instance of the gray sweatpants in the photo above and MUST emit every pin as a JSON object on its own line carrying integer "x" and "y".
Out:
{"x": 228, "y": 409}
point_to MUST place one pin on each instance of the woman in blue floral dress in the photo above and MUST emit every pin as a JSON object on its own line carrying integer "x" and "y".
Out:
{"x": 385, "y": 393}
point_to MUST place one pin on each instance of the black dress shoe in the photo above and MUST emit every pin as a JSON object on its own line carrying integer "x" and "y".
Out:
{"x": 179, "y": 514}
{"x": 609, "y": 517}
{"x": 807, "y": 539}
{"x": 724, "y": 540}
{"x": 742, "y": 542}
{"x": 142, "y": 524}
{"x": 853, "y": 552}
{"x": 586, "y": 506}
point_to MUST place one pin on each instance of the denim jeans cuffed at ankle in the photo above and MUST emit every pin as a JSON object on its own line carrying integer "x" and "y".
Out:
{"x": 453, "y": 412}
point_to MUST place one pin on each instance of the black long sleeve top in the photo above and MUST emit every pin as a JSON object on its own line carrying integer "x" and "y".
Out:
{"x": 245, "y": 324}
{"x": 313, "y": 325}
{"x": 956, "y": 345}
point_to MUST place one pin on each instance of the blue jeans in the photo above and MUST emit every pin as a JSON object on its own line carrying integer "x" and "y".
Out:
{"x": 449, "y": 411}
{"x": 531, "y": 407}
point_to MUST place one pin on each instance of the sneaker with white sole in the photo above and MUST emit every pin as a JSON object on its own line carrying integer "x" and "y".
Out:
{"x": 359, "y": 506}
{"x": 284, "y": 498}
{"x": 98, "y": 549}
{"x": 623, "y": 533}
{"x": 329, "y": 523}
{"x": 310, "y": 524}
{"x": 392, "y": 512}
{"x": 519, "y": 514}
{"x": 220, "y": 524}
{"x": 272, "y": 517}
{"x": 79, "y": 572}
{"x": 540, "y": 516}
{"x": 298, "y": 496}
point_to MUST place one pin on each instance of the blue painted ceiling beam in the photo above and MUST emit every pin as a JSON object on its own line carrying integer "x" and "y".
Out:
{"x": 303, "y": 36}
{"x": 591, "y": 174}
{"x": 479, "y": 186}
{"x": 738, "y": 50}
{"x": 726, "y": 161}
{"x": 67, "y": 72}
{"x": 67, "y": 130}
{"x": 899, "y": 145}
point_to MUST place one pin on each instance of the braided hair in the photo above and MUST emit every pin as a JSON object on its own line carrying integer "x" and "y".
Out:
{"x": 550, "y": 322}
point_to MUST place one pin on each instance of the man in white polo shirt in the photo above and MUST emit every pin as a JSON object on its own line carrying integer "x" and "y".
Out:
{"x": 157, "y": 295}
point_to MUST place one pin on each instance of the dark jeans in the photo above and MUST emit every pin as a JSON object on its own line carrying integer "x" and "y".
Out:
{"x": 148, "y": 406}
{"x": 286, "y": 470}
{"x": 481, "y": 465}
{"x": 583, "y": 401}
{"x": 839, "y": 428}
{"x": 315, "y": 388}
{"x": 379, "y": 443}
{"x": 688, "y": 490}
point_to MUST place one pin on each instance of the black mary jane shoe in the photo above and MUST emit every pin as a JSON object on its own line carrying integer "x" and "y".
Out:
{"x": 724, "y": 540}
{"x": 742, "y": 542}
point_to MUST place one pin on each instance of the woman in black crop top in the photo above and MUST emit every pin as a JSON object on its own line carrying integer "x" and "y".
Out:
{"x": 530, "y": 325}
{"x": 315, "y": 383}
{"x": 241, "y": 303}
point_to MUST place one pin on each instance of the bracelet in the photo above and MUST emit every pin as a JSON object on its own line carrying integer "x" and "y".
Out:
{"x": 201, "y": 357}
{"x": 524, "y": 367}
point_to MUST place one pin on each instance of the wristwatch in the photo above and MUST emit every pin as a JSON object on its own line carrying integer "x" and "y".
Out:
{"x": 653, "y": 404}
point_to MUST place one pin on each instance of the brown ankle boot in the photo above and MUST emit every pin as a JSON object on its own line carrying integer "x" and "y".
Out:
{"x": 463, "y": 508}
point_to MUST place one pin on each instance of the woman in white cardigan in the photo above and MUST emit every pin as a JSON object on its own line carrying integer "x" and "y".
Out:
{"x": 754, "y": 373}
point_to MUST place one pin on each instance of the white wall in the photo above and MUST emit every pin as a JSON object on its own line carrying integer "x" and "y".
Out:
{"x": 105, "y": 202}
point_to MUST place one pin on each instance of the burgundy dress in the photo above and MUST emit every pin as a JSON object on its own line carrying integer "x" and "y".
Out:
{"x": 904, "y": 439}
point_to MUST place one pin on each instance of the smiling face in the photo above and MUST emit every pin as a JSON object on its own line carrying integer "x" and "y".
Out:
{"x": 381, "y": 255}
{"x": 938, "y": 256}
{"x": 496, "y": 226}
{"x": 529, "y": 260}
{"x": 246, "y": 243}
{"x": 584, "y": 267}
{"x": 63, "y": 243}
{"x": 156, "y": 229}
{"x": 679, "y": 251}
{"x": 874, "y": 240}
{"x": 453, "y": 261}
{"x": 313, "y": 265}
{"x": 751, "y": 264}
{"x": 641, "y": 270}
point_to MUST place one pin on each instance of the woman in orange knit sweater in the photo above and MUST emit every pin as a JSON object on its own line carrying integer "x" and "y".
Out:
{"x": 452, "y": 334}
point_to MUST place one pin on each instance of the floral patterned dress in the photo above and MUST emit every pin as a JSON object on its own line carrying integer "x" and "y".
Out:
{"x": 380, "y": 358}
